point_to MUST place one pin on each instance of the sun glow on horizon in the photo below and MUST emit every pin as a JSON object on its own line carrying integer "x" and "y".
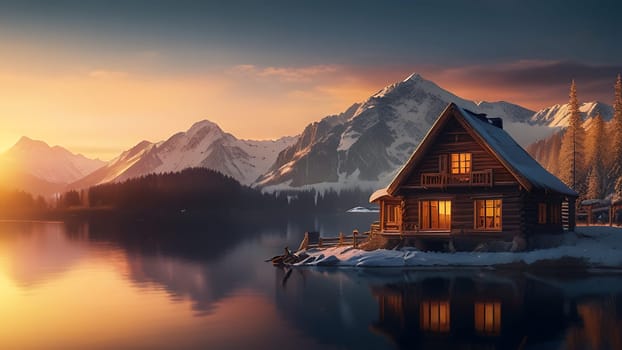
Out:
{"x": 100, "y": 109}
{"x": 100, "y": 113}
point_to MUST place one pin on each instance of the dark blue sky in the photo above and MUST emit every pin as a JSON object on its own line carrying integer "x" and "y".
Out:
{"x": 340, "y": 32}
{"x": 285, "y": 63}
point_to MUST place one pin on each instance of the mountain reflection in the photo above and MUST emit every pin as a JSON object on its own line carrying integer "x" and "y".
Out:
{"x": 199, "y": 264}
{"x": 37, "y": 252}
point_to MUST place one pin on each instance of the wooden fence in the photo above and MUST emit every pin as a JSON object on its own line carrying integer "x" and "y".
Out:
{"x": 313, "y": 240}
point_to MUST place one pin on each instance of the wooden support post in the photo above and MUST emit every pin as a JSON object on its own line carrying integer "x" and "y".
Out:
{"x": 319, "y": 244}
{"x": 589, "y": 215}
{"x": 572, "y": 214}
{"x": 354, "y": 234}
{"x": 304, "y": 245}
{"x": 340, "y": 238}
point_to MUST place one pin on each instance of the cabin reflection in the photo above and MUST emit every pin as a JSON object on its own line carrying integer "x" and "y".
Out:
{"x": 488, "y": 317}
{"x": 434, "y": 316}
{"x": 477, "y": 313}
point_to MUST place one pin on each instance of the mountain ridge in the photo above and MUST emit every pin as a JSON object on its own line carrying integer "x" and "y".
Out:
{"x": 49, "y": 163}
{"x": 363, "y": 146}
{"x": 376, "y": 139}
{"x": 204, "y": 144}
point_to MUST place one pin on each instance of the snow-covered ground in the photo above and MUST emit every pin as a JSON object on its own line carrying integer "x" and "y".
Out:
{"x": 597, "y": 246}
{"x": 363, "y": 210}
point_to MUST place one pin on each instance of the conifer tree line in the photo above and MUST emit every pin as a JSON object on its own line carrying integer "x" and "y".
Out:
{"x": 587, "y": 155}
{"x": 203, "y": 191}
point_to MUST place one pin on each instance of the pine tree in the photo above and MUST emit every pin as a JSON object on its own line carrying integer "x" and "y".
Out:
{"x": 595, "y": 143}
{"x": 615, "y": 173}
{"x": 594, "y": 157}
{"x": 554, "y": 145}
{"x": 571, "y": 154}
{"x": 594, "y": 184}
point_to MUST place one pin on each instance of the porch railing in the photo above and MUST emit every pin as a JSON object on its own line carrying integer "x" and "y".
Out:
{"x": 475, "y": 178}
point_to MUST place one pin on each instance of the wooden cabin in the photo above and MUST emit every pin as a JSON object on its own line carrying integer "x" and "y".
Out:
{"x": 468, "y": 178}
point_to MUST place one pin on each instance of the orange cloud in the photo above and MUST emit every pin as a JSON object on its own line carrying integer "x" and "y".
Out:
{"x": 287, "y": 74}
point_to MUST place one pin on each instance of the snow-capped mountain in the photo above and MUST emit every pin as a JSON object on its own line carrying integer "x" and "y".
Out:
{"x": 365, "y": 145}
{"x": 115, "y": 167}
{"x": 205, "y": 144}
{"x": 557, "y": 115}
{"x": 51, "y": 164}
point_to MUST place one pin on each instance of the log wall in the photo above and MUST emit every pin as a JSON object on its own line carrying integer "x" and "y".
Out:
{"x": 463, "y": 210}
{"x": 455, "y": 139}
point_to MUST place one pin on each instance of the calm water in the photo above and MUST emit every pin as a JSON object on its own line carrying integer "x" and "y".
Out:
{"x": 86, "y": 286}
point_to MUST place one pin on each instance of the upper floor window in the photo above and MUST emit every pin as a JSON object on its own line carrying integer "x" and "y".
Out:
{"x": 461, "y": 163}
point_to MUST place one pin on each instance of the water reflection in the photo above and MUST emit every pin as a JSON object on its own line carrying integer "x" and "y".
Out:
{"x": 456, "y": 309}
{"x": 101, "y": 285}
{"x": 32, "y": 252}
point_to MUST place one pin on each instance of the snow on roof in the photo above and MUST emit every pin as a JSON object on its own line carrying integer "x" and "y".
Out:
{"x": 518, "y": 162}
{"x": 383, "y": 192}
{"x": 515, "y": 156}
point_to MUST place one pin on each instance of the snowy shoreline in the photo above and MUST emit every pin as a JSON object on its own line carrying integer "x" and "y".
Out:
{"x": 588, "y": 247}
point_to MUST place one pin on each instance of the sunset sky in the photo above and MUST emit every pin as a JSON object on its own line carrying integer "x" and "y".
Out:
{"x": 97, "y": 77}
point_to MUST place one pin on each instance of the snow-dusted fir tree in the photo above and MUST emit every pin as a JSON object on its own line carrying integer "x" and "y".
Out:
{"x": 555, "y": 144}
{"x": 572, "y": 165}
{"x": 595, "y": 142}
{"x": 615, "y": 174}
{"x": 594, "y": 158}
{"x": 594, "y": 183}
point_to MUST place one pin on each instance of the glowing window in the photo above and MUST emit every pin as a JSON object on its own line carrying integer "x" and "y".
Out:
{"x": 435, "y": 215}
{"x": 392, "y": 213}
{"x": 488, "y": 214}
{"x": 461, "y": 163}
{"x": 434, "y": 316}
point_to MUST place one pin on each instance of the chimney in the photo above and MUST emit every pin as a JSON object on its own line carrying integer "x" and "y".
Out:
{"x": 498, "y": 122}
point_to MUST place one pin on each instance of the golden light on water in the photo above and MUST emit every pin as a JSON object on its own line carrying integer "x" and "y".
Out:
{"x": 62, "y": 293}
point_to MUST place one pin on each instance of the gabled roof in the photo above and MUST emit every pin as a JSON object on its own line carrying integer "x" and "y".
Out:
{"x": 527, "y": 171}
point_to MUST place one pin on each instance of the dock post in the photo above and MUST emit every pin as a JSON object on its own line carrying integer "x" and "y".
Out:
{"x": 354, "y": 234}
{"x": 304, "y": 245}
